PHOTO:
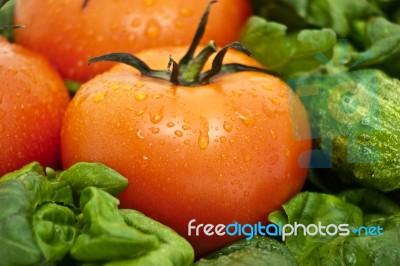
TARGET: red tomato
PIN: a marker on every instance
(69, 35)
(33, 99)
(218, 153)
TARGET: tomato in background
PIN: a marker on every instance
(221, 152)
(33, 99)
(69, 35)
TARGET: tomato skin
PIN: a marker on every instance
(33, 99)
(69, 36)
(217, 153)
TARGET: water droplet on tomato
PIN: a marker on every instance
(153, 29)
(273, 135)
(170, 124)
(99, 97)
(2, 128)
(156, 117)
(140, 96)
(246, 117)
(186, 142)
(222, 139)
(154, 130)
(139, 84)
(228, 126)
(185, 127)
(178, 133)
(139, 134)
(220, 178)
(246, 157)
(185, 11)
(266, 87)
(275, 101)
(135, 22)
(203, 140)
(141, 111)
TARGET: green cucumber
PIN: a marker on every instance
(355, 118)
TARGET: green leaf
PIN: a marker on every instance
(335, 14)
(17, 245)
(32, 167)
(381, 39)
(314, 208)
(83, 175)
(173, 249)
(371, 202)
(7, 17)
(258, 251)
(361, 247)
(54, 230)
(283, 52)
(106, 231)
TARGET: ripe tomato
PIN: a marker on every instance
(33, 99)
(217, 153)
(69, 35)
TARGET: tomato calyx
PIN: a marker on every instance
(188, 71)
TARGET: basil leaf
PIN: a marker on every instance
(83, 175)
(173, 249)
(54, 230)
(32, 167)
(106, 231)
(283, 52)
(17, 245)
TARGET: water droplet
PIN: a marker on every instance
(273, 135)
(170, 124)
(154, 130)
(246, 157)
(247, 139)
(222, 139)
(242, 170)
(140, 96)
(246, 193)
(178, 133)
(203, 140)
(235, 181)
(136, 22)
(179, 23)
(127, 88)
(139, 134)
(99, 96)
(156, 117)
(186, 142)
(115, 87)
(185, 11)
(223, 157)
(153, 29)
(2, 128)
(185, 127)
(162, 142)
(246, 117)
(266, 87)
(275, 101)
(140, 111)
(228, 126)
(220, 178)
(365, 121)
(139, 84)
(157, 96)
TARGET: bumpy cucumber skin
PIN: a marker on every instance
(360, 112)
